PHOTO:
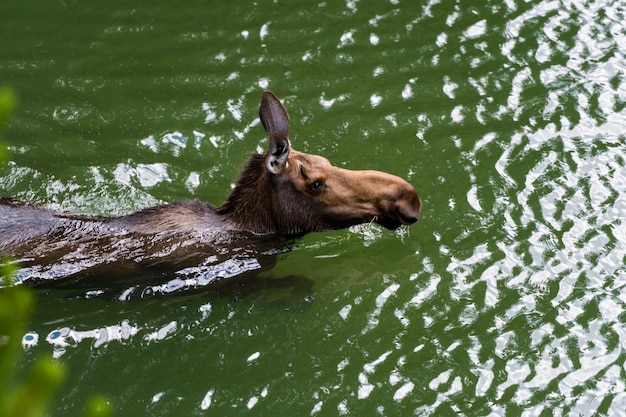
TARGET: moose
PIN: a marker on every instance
(280, 195)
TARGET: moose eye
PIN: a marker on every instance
(316, 185)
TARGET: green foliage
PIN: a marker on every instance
(28, 397)
(98, 406)
(7, 105)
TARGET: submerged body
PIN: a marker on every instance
(182, 239)
(281, 194)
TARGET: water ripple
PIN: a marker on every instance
(507, 299)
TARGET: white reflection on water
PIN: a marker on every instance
(522, 309)
(148, 175)
(65, 337)
(163, 333)
(206, 401)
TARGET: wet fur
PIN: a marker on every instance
(282, 194)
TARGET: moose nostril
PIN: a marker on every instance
(407, 210)
(408, 217)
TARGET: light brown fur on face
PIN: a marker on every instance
(354, 196)
(283, 193)
(292, 193)
(289, 192)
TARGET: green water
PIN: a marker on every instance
(507, 298)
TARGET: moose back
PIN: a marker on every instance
(280, 195)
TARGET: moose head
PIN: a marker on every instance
(291, 193)
(283, 192)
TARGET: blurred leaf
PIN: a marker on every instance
(98, 406)
(30, 397)
(8, 102)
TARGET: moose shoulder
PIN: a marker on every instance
(281, 194)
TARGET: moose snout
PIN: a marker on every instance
(402, 206)
(407, 215)
(407, 209)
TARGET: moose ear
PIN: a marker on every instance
(276, 123)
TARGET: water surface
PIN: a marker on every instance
(507, 298)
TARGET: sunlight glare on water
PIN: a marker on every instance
(506, 298)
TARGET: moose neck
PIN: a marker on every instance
(250, 206)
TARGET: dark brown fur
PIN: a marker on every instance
(282, 193)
